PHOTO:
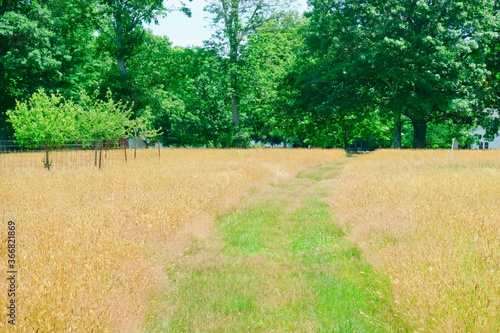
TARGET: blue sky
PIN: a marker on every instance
(184, 31)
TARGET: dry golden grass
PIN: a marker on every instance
(434, 229)
(93, 244)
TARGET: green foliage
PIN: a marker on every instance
(52, 119)
(44, 119)
(266, 59)
(191, 102)
(98, 120)
(352, 71)
(235, 21)
(416, 58)
(122, 23)
(123, 35)
(329, 108)
(142, 127)
(27, 53)
(27, 58)
(440, 135)
(43, 45)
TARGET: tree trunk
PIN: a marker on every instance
(419, 133)
(233, 62)
(232, 26)
(120, 52)
(123, 87)
(234, 106)
(397, 129)
(3, 8)
(121, 66)
(346, 148)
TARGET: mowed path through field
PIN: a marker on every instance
(277, 262)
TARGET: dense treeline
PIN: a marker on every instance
(405, 73)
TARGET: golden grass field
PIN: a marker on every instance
(93, 245)
(434, 229)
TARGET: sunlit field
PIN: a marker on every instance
(93, 244)
(434, 228)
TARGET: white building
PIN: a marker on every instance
(495, 144)
(483, 144)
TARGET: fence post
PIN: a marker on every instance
(95, 154)
(47, 161)
(100, 154)
(158, 148)
(124, 141)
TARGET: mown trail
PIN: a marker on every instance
(277, 262)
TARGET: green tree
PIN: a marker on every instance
(28, 57)
(99, 120)
(440, 135)
(266, 59)
(52, 119)
(44, 44)
(235, 21)
(122, 24)
(73, 22)
(185, 92)
(328, 103)
(143, 127)
(7, 5)
(44, 119)
(491, 57)
(321, 114)
(416, 55)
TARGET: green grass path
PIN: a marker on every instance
(278, 263)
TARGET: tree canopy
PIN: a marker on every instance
(412, 58)
(410, 73)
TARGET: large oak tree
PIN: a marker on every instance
(419, 56)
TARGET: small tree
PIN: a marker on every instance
(43, 119)
(98, 120)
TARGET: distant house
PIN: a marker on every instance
(483, 144)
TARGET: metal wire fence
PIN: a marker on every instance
(69, 154)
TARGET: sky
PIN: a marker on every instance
(184, 31)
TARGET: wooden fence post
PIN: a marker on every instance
(158, 148)
(100, 155)
(47, 161)
(95, 154)
(125, 148)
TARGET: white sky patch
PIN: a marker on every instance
(184, 31)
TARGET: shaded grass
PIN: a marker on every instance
(278, 263)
